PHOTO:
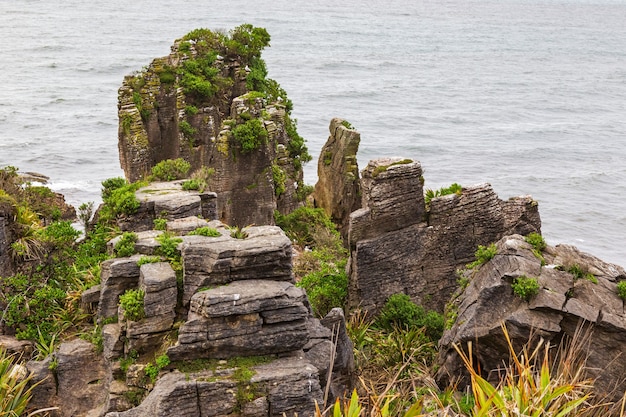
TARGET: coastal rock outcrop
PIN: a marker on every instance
(338, 189)
(210, 103)
(400, 244)
(574, 289)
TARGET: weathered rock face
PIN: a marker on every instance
(562, 304)
(77, 388)
(398, 246)
(289, 386)
(238, 301)
(245, 318)
(337, 190)
(167, 200)
(209, 103)
(264, 254)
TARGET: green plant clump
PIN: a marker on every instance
(148, 260)
(16, 389)
(250, 135)
(483, 254)
(326, 287)
(160, 224)
(206, 231)
(279, 177)
(126, 245)
(132, 304)
(525, 287)
(621, 290)
(452, 189)
(578, 273)
(382, 168)
(237, 232)
(193, 185)
(302, 224)
(400, 311)
(171, 169)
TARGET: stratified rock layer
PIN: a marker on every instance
(337, 190)
(563, 303)
(400, 246)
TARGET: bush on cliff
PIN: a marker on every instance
(399, 311)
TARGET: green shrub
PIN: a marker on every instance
(193, 185)
(126, 245)
(188, 130)
(483, 254)
(148, 260)
(400, 311)
(347, 125)
(160, 224)
(152, 370)
(621, 290)
(537, 241)
(279, 177)
(191, 110)
(171, 169)
(302, 224)
(525, 287)
(326, 288)
(452, 189)
(119, 198)
(168, 245)
(250, 135)
(206, 231)
(132, 304)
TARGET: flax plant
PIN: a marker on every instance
(530, 387)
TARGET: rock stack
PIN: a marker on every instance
(239, 336)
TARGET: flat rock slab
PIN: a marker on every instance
(244, 318)
(211, 261)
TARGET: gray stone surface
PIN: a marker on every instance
(338, 189)
(285, 386)
(562, 304)
(208, 262)
(116, 276)
(80, 376)
(398, 246)
(243, 318)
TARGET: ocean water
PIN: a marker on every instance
(527, 95)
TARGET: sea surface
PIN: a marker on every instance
(527, 95)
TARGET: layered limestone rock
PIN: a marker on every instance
(238, 301)
(245, 318)
(210, 103)
(264, 254)
(398, 245)
(337, 190)
(585, 296)
(77, 387)
(275, 390)
(168, 200)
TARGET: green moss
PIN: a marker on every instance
(382, 168)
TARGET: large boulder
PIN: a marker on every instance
(585, 296)
(210, 103)
(399, 245)
(337, 190)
